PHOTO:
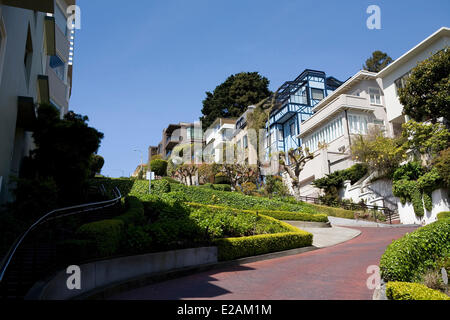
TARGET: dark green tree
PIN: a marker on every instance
(97, 163)
(426, 95)
(377, 62)
(159, 167)
(64, 150)
(231, 98)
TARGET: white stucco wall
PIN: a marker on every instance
(440, 203)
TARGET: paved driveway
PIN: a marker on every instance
(331, 273)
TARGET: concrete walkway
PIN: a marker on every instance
(327, 237)
(336, 272)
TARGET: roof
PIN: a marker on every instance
(442, 32)
(360, 75)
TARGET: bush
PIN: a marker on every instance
(442, 164)
(135, 212)
(412, 291)
(221, 187)
(294, 216)
(159, 167)
(443, 215)
(106, 234)
(160, 186)
(248, 188)
(275, 185)
(221, 178)
(136, 240)
(406, 258)
(235, 248)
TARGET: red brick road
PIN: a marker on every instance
(337, 272)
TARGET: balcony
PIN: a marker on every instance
(50, 39)
(62, 44)
(341, 103)
(58, 89)
(171, 142)
(46, 6)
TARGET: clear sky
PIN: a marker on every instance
(142, 64)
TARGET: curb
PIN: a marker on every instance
(116, 288)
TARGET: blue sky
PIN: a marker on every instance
(142, 64)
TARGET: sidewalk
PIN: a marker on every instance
(327, 237)
(362, 223)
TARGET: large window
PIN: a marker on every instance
(245, 142)
(317, 94)
(58, 66)
(358, 124)
(375, 96)
(401, 82)
(326, 134)
(292, 129)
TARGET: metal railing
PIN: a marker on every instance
(388, 213)
(51, 217)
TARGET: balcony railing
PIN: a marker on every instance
(343, 102)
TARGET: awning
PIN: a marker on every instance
(46, 6)
(43, 90)
(50, 39)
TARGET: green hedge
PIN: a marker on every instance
(235, 248)
(135, 212)
(334, 212)
(412, 255)
(443, 215)
(294, 216)
(160, 186)
(106, 234)
(279, 215)
(412, 291)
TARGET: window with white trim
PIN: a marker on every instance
(358, 124)
(375, 95)
(326, 134)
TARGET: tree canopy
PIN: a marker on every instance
(426, 95)
(377, 62)
(64, 151)
(231, 98)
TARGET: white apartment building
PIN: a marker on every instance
(351, 110)
(216, 137)
(35, 68)
(245, 140)
(367, 99)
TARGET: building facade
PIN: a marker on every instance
(295, 102)
(36, 48)
(245, 140)
(217, 136)
(364, 101)
(353, 109)
(176, 134)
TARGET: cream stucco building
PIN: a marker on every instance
(36, 49)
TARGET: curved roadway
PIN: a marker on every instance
(333, 273)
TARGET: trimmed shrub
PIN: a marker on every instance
(410, 256)
(221, 178)
(159, 167)
(235, 248)
(160, 186)
(106, 234)
(221, 187)
(135, 212)
(278, 215)
(294, 216)
(412, 291)
(443, 215)
(334, 212)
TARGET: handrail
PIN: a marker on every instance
(102, 204)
